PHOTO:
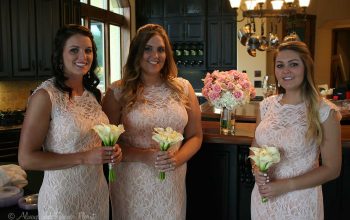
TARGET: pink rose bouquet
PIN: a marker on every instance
(227, 89)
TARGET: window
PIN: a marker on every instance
(105, 19)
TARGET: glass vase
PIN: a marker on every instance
(227, 121)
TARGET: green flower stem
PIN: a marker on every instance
(264, 199)
(163, 147)
(111, 174)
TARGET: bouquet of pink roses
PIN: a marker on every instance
(227, 89)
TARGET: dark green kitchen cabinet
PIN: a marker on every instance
(220, 7)
(5, 38)
(34, 24)
(222, 46)
(211, 183)
(185, 29)
(184, 8)
(149, 11)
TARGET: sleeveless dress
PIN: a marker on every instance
(79, 192)
(284, 126)
(138, 193)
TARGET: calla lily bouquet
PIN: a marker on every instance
(264, 157)
(166, 137)
(109, 135)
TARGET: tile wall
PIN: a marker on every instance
(14, 94)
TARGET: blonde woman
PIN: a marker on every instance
(303, 126)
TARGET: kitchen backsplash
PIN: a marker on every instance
(14, 94)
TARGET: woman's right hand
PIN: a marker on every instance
(260, 177)
(101, 155)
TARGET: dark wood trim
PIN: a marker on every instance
(102, 15)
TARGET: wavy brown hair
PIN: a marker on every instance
(131, 83)
(309, 92)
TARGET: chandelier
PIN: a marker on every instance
(261, 9)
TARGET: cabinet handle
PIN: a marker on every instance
(33, 65)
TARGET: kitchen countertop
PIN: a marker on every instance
(248, 112)
(245, 134)
(10, 127)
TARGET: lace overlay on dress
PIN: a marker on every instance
(138, 193)
(79, 192)
(284, 126)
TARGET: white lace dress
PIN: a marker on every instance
(284, 126)
(79, 192)
(137, 192)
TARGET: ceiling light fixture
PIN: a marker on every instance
(280, 8)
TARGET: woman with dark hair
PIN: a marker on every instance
(150, 95)
(303, 126)
(57, 134)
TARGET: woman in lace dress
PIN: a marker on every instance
(57, 134)
(148, 96)
(302, 125)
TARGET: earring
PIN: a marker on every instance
(89, 75)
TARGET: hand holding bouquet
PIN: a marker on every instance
(166, 137)
(109, 135)
(264, 157)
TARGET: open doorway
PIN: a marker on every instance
(340, 63)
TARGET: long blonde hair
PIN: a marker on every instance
(309, 92)
(132, 85)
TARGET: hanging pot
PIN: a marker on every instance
(244, 33)
(273, 38)
(263, 41)
(252, 45)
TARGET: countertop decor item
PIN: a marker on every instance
(227, 90)
(29, 202)
(9, 195)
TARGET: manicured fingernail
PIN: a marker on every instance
(265, 174)
(267, 181)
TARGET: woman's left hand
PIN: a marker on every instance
(117, 154)
(273, 188)
(166, 161)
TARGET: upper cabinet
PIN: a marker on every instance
(27, 31)
(149, 11)
(221, 53)
(34, 24)
(185, 29)
(5, 38)
(220, 7)
(184, 8)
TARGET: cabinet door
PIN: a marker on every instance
(228, 43)
(211, 183)
(226, 8)
(175, 29)
(5, 40)
(23, 38)
(214, 7)
(47, 23)
(214, 43)
(194, 29)
(194, 7)
(70, 13)
(173, 8)
(156, 8)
